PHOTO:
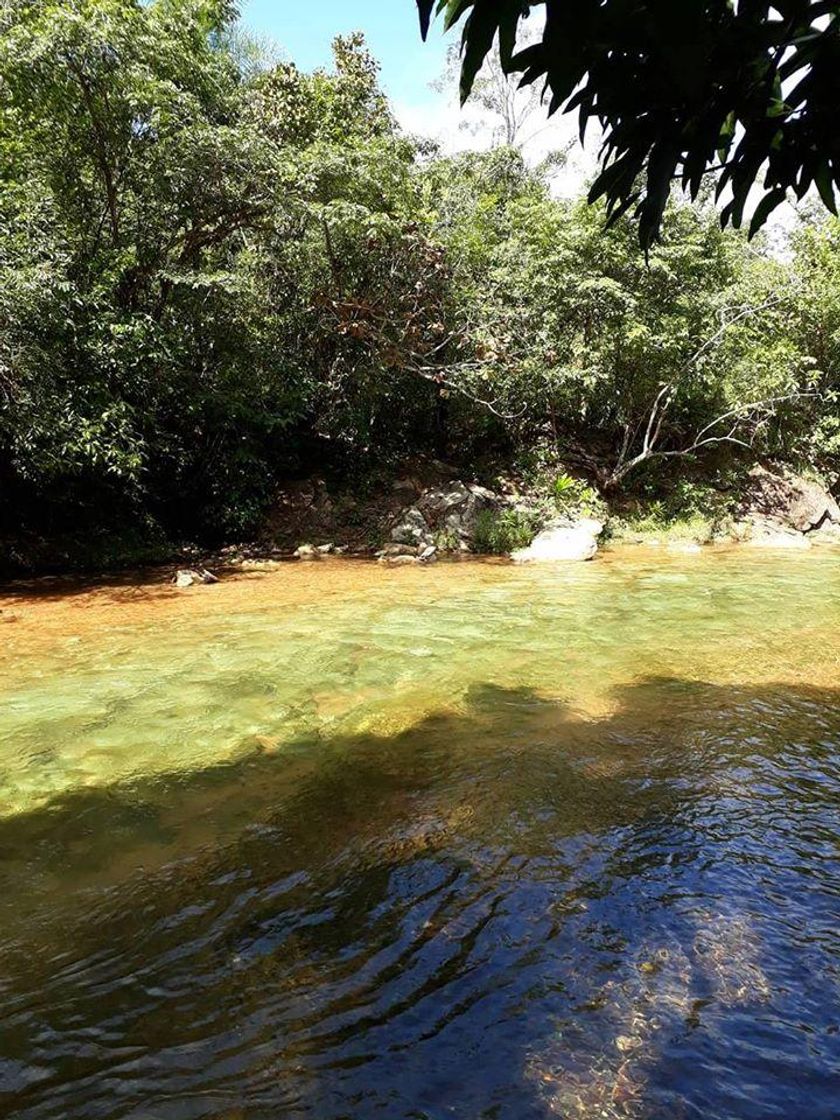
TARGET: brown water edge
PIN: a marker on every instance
(39, 612)
(47, 611)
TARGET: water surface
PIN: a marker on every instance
(467, 841)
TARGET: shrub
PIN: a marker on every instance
(571, 496)
(497, 534)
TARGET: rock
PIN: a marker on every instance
(781, 538)
(302, 494)
(403, 484)
(188, 577)
(397, 550)
(444, 469)
(398, 561)
(455, 508)
(325, 549)
(437, 503)
(412, 528)
(826, 534)
(566, 540)
(791, 502)
(689, 547)
(482, 493)
(307, 552)
(427, 555)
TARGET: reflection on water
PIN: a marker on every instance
(469, 842)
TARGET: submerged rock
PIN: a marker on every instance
(689, 547)
(566, 540)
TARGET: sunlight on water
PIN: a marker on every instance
(135, 695)
(464, 840)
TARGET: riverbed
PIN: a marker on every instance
(466, 840)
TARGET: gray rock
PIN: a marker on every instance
(427, 555)
(189, 577)
(457, 506)
(791, 502)
(404, 484)
(307, 552)
(483, 494)
(826, 534)
(437, 503)
(778, 538)
(398, 550)
(412, 528)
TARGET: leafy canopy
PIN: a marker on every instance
(748, 88)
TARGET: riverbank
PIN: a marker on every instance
(432, 510)
(43, 611)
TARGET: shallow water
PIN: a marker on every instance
(465, 841)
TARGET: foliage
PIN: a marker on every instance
(497, 534)
(514, 114)
(175, 236)
(217, 271)
(692, 511)
(573, 496)
(678, 88)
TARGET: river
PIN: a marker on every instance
(474, 841)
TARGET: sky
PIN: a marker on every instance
(305, 31)
(409, 67)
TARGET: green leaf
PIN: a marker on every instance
(767, 205)
(822, 177)
(424, 11)
(479, 32)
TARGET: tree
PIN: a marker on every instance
(749, 90)
(513, 112)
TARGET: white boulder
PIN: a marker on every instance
(780, 538)
(567, 540)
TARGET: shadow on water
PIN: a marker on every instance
(502, 912)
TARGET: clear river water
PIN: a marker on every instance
(469, 841)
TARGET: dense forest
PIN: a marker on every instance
(218, 272)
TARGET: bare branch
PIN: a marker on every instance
(431, 373)
(702, 439)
